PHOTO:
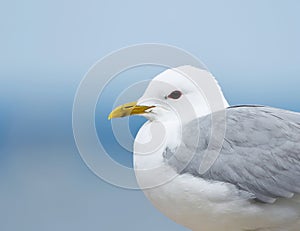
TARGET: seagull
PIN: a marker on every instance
(210, 166)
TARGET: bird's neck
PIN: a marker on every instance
(158, 135)
(202, 106)
(173, 133)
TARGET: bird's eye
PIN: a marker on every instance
(175, 94)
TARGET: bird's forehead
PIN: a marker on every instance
(170, 80)
(187, 79)
(172, 77)
(165, 83)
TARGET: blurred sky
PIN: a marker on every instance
(252, 47)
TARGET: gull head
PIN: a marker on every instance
(181, 93)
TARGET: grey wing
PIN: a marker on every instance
(260, 152)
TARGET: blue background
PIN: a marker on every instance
(252, 47)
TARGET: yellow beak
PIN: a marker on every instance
(128, 109)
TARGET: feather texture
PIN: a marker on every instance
(260, 153)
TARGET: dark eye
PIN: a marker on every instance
(175, 95)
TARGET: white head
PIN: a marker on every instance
(184, 92)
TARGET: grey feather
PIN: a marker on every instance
(260, 153)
